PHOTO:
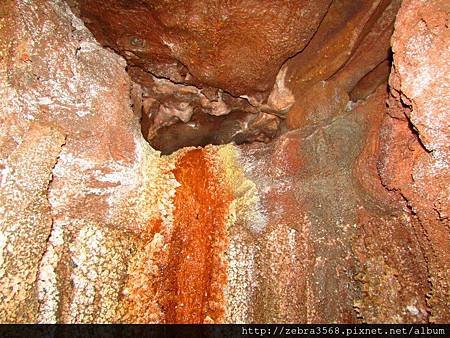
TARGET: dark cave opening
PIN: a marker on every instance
(202, 129)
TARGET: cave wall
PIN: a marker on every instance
(233, 45)
(414, 158)
(264, 61)
(344, 219)
(73, 165)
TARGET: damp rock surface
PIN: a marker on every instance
(238, 46)
(342, 219)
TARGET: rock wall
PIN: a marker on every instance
(73, 168)
(344, 219)
(414, 159)
(232, 45)
(352, 41)
(275, 63)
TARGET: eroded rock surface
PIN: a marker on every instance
(306, 59)
(176, 116)
(233, 45)
(238, 127)
(416, 148)
(344, 219)
(71, 151)
(351, 41)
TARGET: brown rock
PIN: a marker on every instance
(340, 33)
(321, 101)
(415, 150)
(377, 41)
(371, 81)
(202, 129)
(365, 169)
(236, 46)
(195, 275)
(351, 41)
(343, 220)
(393, 271)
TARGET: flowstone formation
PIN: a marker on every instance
(242, 162)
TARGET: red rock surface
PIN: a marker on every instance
(393, 270)
(415, 151)
(327, 47)
(351, 41)
(229, 55)
(342, 220)
(195, 275)
(344, 27)
(233, 45)
(367, 85)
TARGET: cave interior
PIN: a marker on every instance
(250, 161)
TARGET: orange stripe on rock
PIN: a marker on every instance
(195, 276)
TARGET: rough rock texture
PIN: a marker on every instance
(26, 220)
(342, 220)
(232, 45)
(351, 41)
(416, 138)
(304, 57)
(71, 157)
(176, 116)
(339, 226)
(238, 127)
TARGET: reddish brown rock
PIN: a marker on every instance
(351, 41)
(202, 129)
(343, 220)
(236, 46)
(415, 141)
(202, 53)
(367, 85)
(392, 268)
(340, 33)
(221, 49)
(373, 48)
(365, 169)
(323, 100)
(195, 275)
